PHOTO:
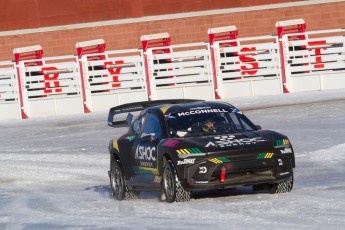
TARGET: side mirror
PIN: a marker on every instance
(258, 127)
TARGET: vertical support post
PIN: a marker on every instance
(220, 34)
(83, 48)
(153, 41)
(34, 53)
(288, 27)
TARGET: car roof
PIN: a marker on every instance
(171, 108)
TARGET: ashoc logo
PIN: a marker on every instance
(145, 153)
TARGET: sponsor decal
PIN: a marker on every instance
(200, 182)
(265, 155)
(171, 143)
(200, 107)
(189, 151)
(286, 150)
(280, 162)
(146, 164)
(186, 161)
(145, 153)
(202, 170)
(236, 111)
(192, 112)
(229, 140)
(282, 142)
(219, 160)
(130, 138)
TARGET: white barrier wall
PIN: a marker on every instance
(315, 63)
(52, 88)
(118, 78)
(9, 92)
(185, 72)
(239, 67)
(251, 67)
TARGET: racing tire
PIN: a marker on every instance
(284, 186)
(117, 182)
(172, 186)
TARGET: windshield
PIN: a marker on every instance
(207, 122)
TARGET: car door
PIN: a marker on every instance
(146, 149)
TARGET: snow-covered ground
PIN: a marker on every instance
(53, 174)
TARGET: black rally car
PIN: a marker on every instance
(176, 146)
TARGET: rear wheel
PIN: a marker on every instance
(117, 182)
(172, 186)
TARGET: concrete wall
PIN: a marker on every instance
(123, 34)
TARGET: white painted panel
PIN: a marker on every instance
(9, 110)
(104, 101)
(55, 106)
(237, 89)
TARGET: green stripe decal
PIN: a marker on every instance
(224, 160)
(192, 150)
(196, 150)
(261, 155)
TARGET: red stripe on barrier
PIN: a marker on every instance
(115, 85)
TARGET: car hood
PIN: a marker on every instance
(213, 143)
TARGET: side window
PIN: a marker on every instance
(153, 126)
(138, 124)
(236, 121)
(240, 124)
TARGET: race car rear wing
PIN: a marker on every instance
(139, 106)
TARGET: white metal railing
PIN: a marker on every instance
(316, 62)
(113, 77)
(184, 72)
(251, 67)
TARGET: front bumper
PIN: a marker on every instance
(223, 173)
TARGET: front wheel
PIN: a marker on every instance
(172, 186)
(283, 186)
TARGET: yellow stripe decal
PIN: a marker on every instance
(153, 170)
(164, 109)
(186, 150)
(116, 145)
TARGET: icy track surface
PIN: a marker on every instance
(53, 174)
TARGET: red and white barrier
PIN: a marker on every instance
(247, 67)
(225, 67)
(96, 47)
(315, 62)
(294, 26)
(9, 92)
(48, 86)
(178, 71)
(117, 79)
(220, 34)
